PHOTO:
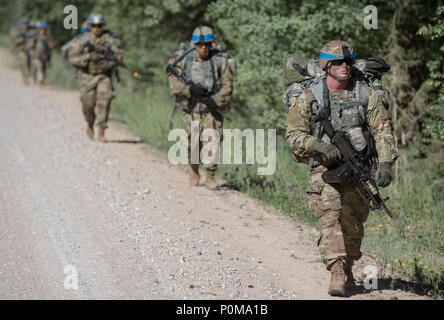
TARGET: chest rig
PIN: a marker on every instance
(348, 113)
(205, 73)
(104, 42)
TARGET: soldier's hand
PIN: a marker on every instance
(105, 64)
(197, 90)
(94, 56)
(327, 150)
(210, 103)
(384, 174)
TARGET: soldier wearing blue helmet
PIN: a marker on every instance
(210, 73)
(20, 34)
(40, 52)
(95, 72)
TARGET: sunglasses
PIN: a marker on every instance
(96, 26)
(203, 44)
(338, 63)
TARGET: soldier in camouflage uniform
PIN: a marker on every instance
(20, 35)
(212, 76)
(40, 52)
(95, 72)
(339, 208)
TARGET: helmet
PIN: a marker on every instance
(41, 24)
(336, 50)
(96, 18)
(85, 27)
(23, 20)
(202, 34)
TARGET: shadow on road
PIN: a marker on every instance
(126, 141)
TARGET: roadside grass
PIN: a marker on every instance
(411, 244)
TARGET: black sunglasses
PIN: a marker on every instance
(337, 63)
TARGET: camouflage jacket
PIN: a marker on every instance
(223, 77)
(300, 137)
(77, 52)
(41, 46)
(22, 40)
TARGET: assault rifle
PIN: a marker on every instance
(209, 102)
(109, 55)
(352, 166)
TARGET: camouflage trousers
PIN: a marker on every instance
(207, 120)
(24, 63)
(341, 213)
(96, 93)
(38, 70)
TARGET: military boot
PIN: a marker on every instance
(90, 132)
(210, 182)
(194, 174)
(350, 284)
(101, 135)
(337, 282)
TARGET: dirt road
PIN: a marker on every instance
(126, 221)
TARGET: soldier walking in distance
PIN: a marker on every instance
(209, 73)
(21, 35)
(40, 52)
(359, 110)
(95, 72)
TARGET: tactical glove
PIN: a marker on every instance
(210, 103)
(327, 150)
(197, 90)
(384, 175)
(94, 56)
(105, 64)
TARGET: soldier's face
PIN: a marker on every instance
(96, 29)
(203, 49)
(24, 26)
(42, 31)
(340, 69)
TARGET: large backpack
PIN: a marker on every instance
(301, 74)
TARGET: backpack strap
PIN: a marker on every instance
(321, 96)
(363, 94)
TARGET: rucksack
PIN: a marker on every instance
(301, 74)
